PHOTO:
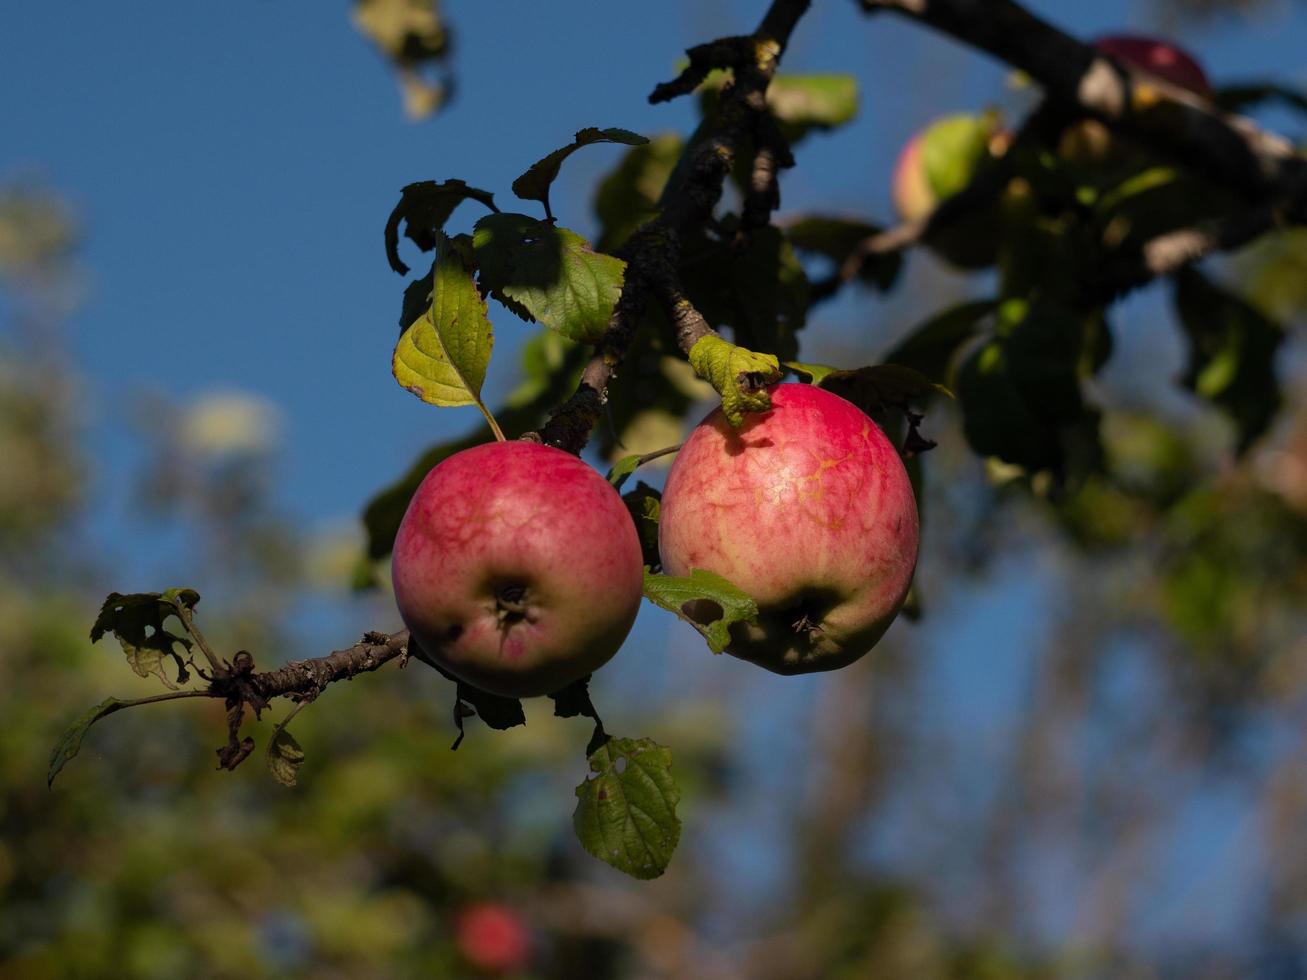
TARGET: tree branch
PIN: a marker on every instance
(653, 252)
(304, 680)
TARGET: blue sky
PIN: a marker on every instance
(233, 166)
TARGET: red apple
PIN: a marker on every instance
(808, 509)
(1159, 58)
(517, 568)
(493, 938)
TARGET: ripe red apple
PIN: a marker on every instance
(517, 568)
(1160, 58)
(934, 165)
(808, 509)
(493, 938)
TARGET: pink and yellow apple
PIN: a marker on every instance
(809, 510)
(937, 163)
(517, 568)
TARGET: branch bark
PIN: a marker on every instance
(304, 680)
(654, 250)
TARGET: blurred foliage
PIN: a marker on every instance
(414, 36)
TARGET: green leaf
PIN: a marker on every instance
(534, 184)
(137, 621)
(424, 207)
(645, 506)
(882, 386)
(547, 273)
(1020, 392)
(813, 372)
(442, 357)
(628, 196)
(626, 808)
(1232, 350)
(70, 742)
(804, 102)
(699, 588)
(931, 347)
(837, 239)
(740, 376)
(284, 757)
(622, 469)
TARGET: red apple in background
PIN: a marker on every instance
(493, 938)
(517, 568)
(808, 509)
(1160, 58)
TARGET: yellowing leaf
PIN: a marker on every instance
(740, 376)
(442, 356)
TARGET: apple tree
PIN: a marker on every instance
(787, 533)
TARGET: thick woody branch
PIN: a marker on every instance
(653, 252)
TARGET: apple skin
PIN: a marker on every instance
(971, 241)
(493, 938)
(517, 568)
(1160, 58)
(808, 509)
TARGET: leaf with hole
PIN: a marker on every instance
(626, 808)
(702, 591)
(423, 208)
(543, 272)
(137, 621)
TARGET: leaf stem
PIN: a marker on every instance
(494, 426)
(216, 665)
(169, 696)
